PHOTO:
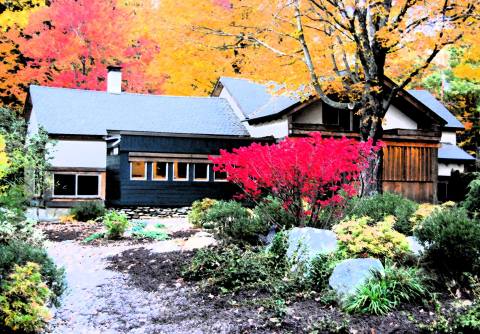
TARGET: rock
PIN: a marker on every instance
(415, 246)
(306, 242)
(196, 242)
(350, 274)
(203, 234)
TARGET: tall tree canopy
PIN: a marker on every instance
(340, 50)
(70, 44)
(14, 16)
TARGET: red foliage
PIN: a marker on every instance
(70, 44)
(306, 174)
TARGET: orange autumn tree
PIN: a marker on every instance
(337, 50)
(70, 44)
(14, 16)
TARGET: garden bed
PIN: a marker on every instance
(153, 272)
(78, 231)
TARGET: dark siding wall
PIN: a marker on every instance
(126, 192)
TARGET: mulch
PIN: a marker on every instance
(69, 231)
(152, 271)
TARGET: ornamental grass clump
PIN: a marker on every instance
(362, 237)
(385, 292)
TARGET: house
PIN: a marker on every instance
(150, 150)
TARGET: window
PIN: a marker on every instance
(138, 170)
(76, 185)
(331, 116)
(180, 171)
(64, 184)
(220, 176)
(200, 172)
(87, 185)
(160, 171)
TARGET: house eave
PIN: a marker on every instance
(180, 135)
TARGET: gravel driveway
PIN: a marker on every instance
(101, 301)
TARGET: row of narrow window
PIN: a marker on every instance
(181, 171)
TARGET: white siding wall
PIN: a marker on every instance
(32, 128)
(446, 169)
(449, 137)
(79, 153)
(395, 119)
(277, 128)
(310, 115)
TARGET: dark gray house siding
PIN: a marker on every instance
(122, 191)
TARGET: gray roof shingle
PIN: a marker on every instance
(254, 99)
(453, 152)
(436, 106)
(87, 112)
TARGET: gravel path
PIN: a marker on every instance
(101, 301)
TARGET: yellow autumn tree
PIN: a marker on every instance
(14, 16)
(3, 158)
(336, 50)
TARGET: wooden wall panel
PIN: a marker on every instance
(410, 169)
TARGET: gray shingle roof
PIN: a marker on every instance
(436, 106)
(87, 112)
(453, 152)
(254, 99)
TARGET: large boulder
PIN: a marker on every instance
(304, 243)
(351, 274)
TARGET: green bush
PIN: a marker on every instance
(13, 227)
(383, 293)
(359, 238)
(19, 253)
(231, 268)
(197, 215)
(94, 236)
(271, 212)
(321, 269)
(116, 224)
(472, 200)
(465, 320)
(235, 223)
(89, 210)
(154, 235)
(23, 299)
(379, 206)
(452, 242)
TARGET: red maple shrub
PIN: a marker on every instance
(306, 174)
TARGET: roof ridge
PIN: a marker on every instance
(128, 93)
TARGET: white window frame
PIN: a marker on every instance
(153, 171)
(195, 172)
(219, 180)
(138, 178)
(99, 178)
(188, 172)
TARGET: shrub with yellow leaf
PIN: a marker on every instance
(67, 219)
(425, 210)
(23, 300)
(361, 237)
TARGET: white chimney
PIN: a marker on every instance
(114, 79)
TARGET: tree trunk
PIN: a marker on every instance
(371, 129)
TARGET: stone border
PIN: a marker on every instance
(146, 212)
